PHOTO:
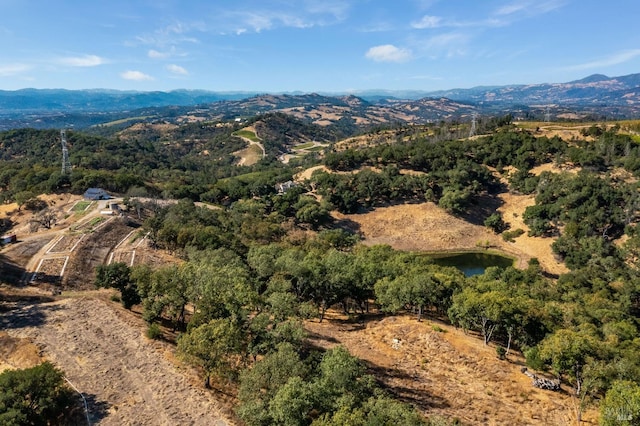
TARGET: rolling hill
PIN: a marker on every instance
(596, 97)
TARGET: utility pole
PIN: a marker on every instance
(474, 121)
(66, 164)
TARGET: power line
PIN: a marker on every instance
(84, 400)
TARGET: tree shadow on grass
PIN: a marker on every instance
(98, 410)
(413, 395)
(482, 208)
(26, 311)
(10, 272)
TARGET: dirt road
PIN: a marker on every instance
(244, 154)
(126, 378)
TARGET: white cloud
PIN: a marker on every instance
(13, 69)
(83, 61)
(167, 37)
(615, 59)
(265, 21)
(176, 69)
(136, 76)
(388, 53)
(529, 7)
(426, 77)
(259, 22)
(154, 54)
(448, 40)
(287, 14)
(376, 27)
(514, 7)
(427, 21)
(338, 9)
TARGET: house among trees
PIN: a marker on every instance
(284, 187)
(96, 194)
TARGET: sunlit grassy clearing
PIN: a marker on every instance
(247, 134)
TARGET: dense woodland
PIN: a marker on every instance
(259, 265)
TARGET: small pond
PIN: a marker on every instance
(472, 263)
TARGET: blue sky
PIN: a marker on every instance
(315, 45)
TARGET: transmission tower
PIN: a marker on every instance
(474, 121)
(547, 115)
(66, 164)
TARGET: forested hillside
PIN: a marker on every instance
(260, 264)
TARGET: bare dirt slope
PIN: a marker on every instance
(446, 372)
(126, 378)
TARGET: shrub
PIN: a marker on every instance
(154, 332)
(510, 236)
(37, 396)
(495, 222)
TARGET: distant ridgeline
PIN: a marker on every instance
(596, 97)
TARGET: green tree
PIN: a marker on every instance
(377, 410)
(568, 352)
(164, 294)
(259, 385)
(36, 396)
(292, 404)
(455, 200)
(220, 286)
(621, 405)
(312, 212)
(117, 275)
(21, 198)
(482, 311)
(218, 346)
(495, 222)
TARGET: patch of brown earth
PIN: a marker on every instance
(126, 378)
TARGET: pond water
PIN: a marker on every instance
(472, 263)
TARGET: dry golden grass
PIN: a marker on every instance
(426, 227)
(249, 156)
(17, 352)
(446, 372)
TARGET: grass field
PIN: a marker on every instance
(247, 134)
(81, 206)
(125, 120)
(304, 145)
(95, 221)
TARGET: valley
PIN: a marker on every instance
(225, 257)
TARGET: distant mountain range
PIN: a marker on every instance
(102, 100)
(596, 96)
(596, 89)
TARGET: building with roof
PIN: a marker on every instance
(96, 194)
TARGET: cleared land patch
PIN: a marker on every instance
(126, 378)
